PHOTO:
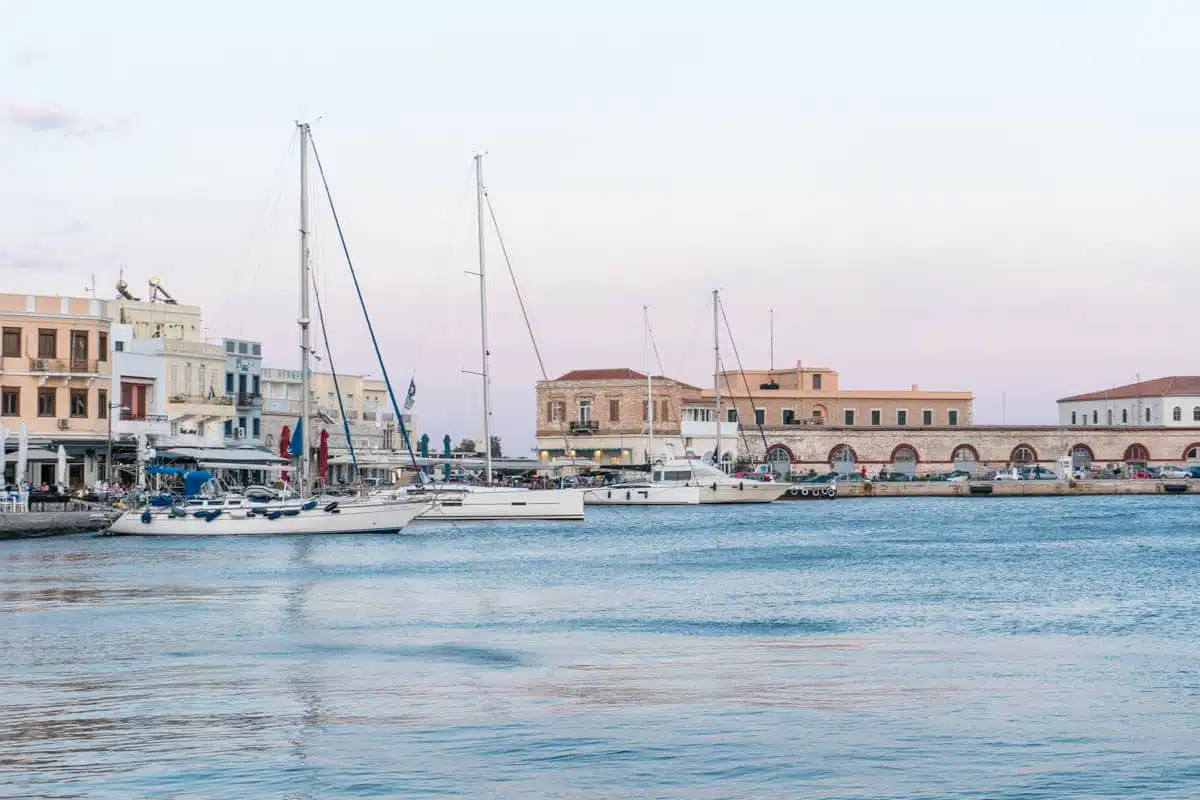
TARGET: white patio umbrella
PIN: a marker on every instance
(22, 454)
(3, 452)
(60, 471)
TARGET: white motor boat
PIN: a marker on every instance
(714, 485)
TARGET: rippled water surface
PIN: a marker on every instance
(1022, 648)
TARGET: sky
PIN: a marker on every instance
(994, 197)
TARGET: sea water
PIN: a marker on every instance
(950, 648)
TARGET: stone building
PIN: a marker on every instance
(1172, 402)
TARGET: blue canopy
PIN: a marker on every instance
(157, 470)
(192, 481)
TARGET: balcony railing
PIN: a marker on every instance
(201, 399)
(129, 416)
(84, 365)
(249, 400)
(584, 426)
(47, 365)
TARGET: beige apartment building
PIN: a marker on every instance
(55, 377)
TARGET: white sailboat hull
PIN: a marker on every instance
(383, 517)
(742, 492)
(650, 495)
(484, 503)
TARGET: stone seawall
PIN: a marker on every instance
(1012, 488)
(51, 523)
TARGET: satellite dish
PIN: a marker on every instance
(155, 281)
(123, 290)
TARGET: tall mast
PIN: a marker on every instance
(772, 315)
(717, 374)
(303, 321)
(649, 389)
(483, 321)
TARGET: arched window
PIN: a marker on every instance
(1023, 454)
(1081, 457)
(1110, 416)
(779, 457)
(1192, 453)
(1177, 414)
(1136, 454)
(819, 411)
(904, 459)
(1147, 415)
(843, 457)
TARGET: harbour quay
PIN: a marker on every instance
(1042, 488)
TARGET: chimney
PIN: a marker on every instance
(914, 387)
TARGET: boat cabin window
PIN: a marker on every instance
(677, 475)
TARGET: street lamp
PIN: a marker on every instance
(108, 470)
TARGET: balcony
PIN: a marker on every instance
(200, 399)
(87, 365)
(248, 400)
(584, 426)
(155, 425)
(708, 429)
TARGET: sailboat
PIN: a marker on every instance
(644, 492)
(210, 511)
(466, 502)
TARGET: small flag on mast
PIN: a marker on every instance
(411, 397)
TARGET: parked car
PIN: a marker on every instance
(1140, 472)
(1194, 471)
(1174, 472)
(893, 477)
(1007, 475)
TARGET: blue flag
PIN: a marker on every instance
(411, 397)
(297, 435)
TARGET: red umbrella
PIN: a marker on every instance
(323, 454)
(285, 441)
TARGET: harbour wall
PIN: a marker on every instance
(1012, 488)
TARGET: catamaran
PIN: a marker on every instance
(208, 510)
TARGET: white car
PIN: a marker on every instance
(1008, 475)
(1174, 472)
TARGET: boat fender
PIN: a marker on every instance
(626, 494)
(201, 514)
(273, 514)
(610, 494)
(741, 486)
(714, 486)
(332, 507)
(216, 512)
(310, 505)
(146, 516)
(178, 512)
(291, 512)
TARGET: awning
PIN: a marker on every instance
(241, 465)
(243, 458)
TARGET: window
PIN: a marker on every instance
(848, 416)
(1024, 454)
(228, 429)
(731, 415)
(1137, 453)
(47, 343)
(118, 347)
(1124, 416)
(12, 342)
(79, 347)
(787, 415)
(79, 403)
(1072, 417)
(585, 410)
(556, 410)
(257, 424)
(228, 383)
(1177, 414)
(816, 383)
(1196, 414)
(664, 408)
(760, 416)
(101, 403)
(102, 346)
(1147, 415)
(645, 411)
(256, 349)
(10, 401)
(927, 416)
(876, 416)
(902, 417)
(614, 410)
(242, 423)
(255, 383)
(952, 417)
(1109, 417)
(230, 347)
(46, 402)
(242, 385)
(243, 348)
(1095, 416)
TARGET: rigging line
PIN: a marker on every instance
(745, 380)
(729, 390)
(333, 371)
(562, 423)
(363, 304)
(654, 346)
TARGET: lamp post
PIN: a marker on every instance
(108, 470)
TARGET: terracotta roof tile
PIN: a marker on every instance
(622, 374)
(1175, 386)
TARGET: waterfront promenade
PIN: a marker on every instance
(1015, 488)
